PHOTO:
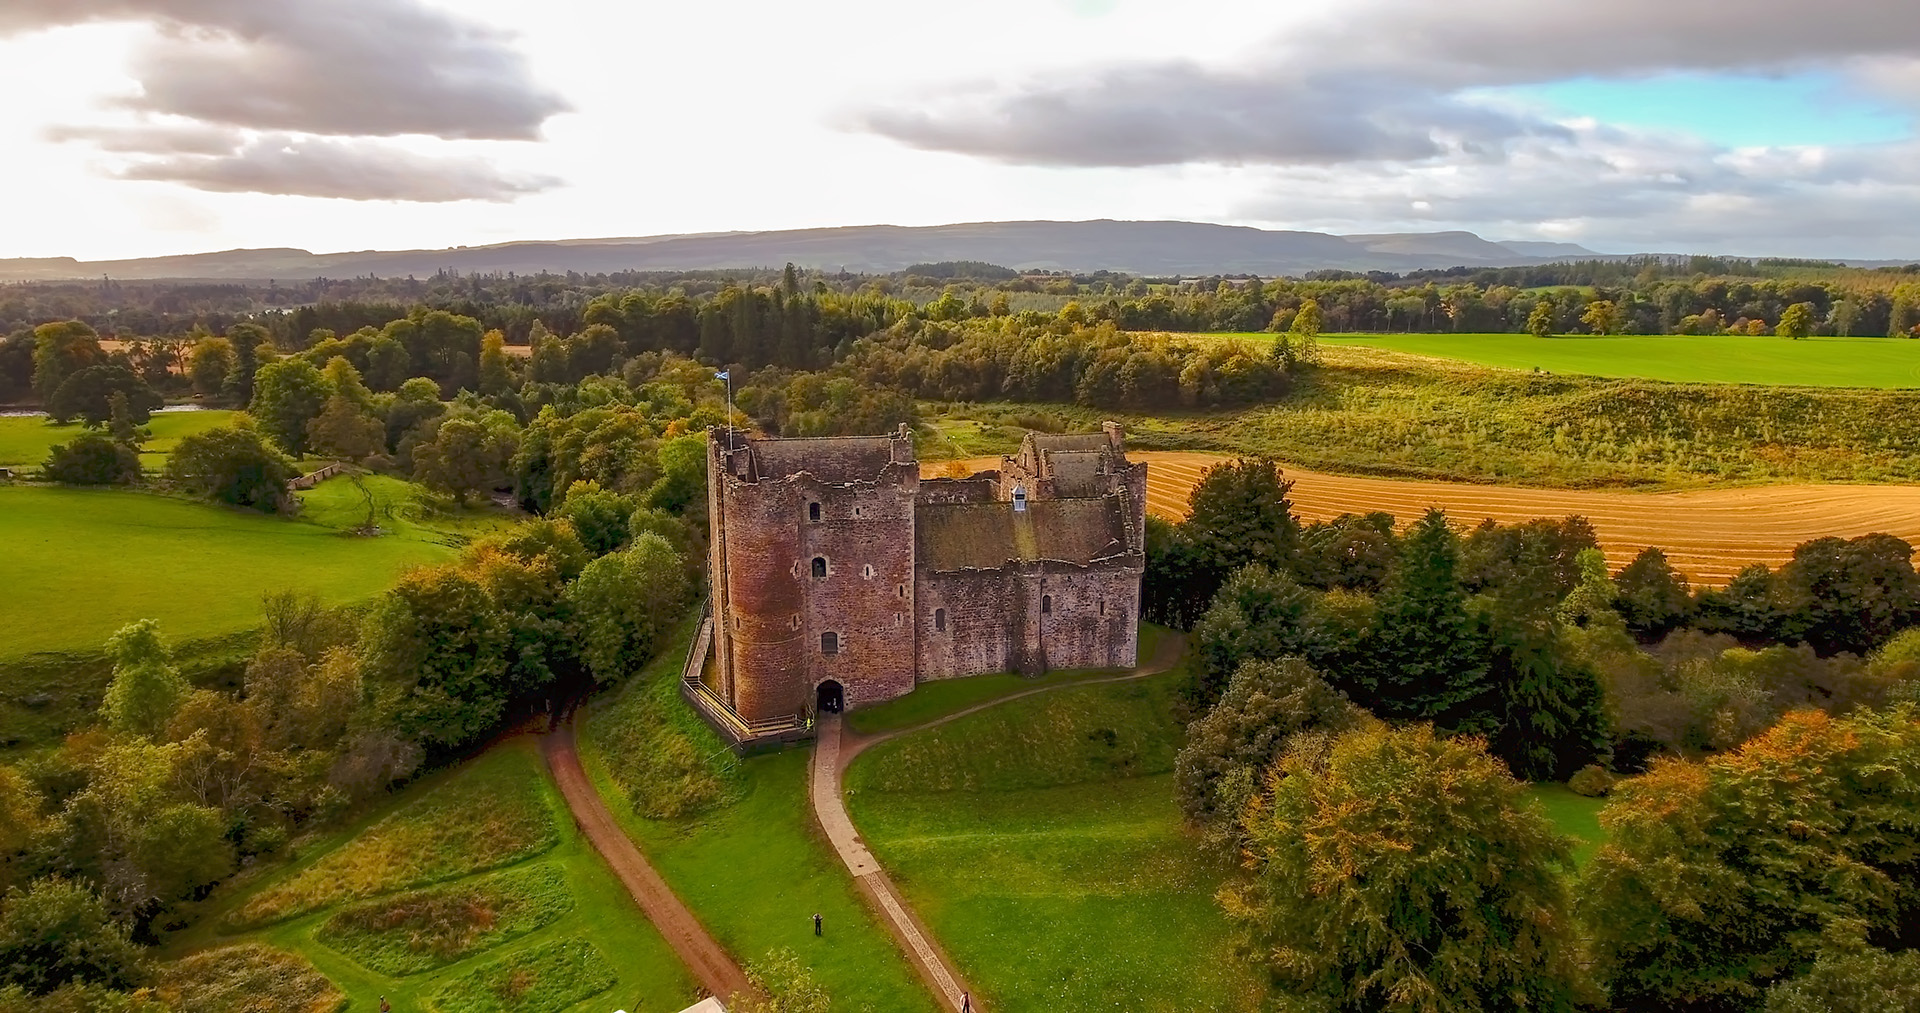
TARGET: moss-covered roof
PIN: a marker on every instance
(958, 536)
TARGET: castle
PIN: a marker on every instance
(841, 578)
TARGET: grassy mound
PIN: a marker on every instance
(245, 979)
(424, 929)
(1041, 842)
(540, 979)
(665, 760)
(495, 814)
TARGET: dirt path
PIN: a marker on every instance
(710, 965)
(831, 755)
(1708, 534)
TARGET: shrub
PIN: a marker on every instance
(232, 465)
(1265, 704)
(92, 459)
(1592, 780)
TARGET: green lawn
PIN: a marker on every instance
(83, 562)
(1041, 842)
(24, 441)
(1576, 815)
(1814, 362)
(933, 700)
(555, 964)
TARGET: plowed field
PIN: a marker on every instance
(1708, 534)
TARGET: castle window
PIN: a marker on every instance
(867, 571)
(1103, 606)
(856, 511)
(813, 511)
(939, 620)
(819, 568)
(903, 590)
(829, 643)
(1046, 603)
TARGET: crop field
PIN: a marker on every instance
(81, 563)
(1041, 843)
(469, 892)
(1708, 534)
(25, 440)
(1886, 363)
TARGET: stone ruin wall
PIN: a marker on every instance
(996, 620)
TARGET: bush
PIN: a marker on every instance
(1592, 780)
(56, 933)
(92, 459)
(233, 464)
(1265, 704)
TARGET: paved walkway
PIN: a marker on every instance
(831, 755)
(711, 966)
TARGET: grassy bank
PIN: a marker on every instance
(1370, 411)
(1041, 842)
(742, 850)
(469, 891)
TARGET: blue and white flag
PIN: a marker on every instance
(723, 375)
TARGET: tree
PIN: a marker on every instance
(146, 687)
(122, 424)
(61, 350)
(436, 647)
(1547, 714)
(92, 459)
(1855, 979)
(1654, 599)
(1427, 659)
(624, 603)
(247, 341)
(496, 366)
(232, 464)
(463, 459)
(346, 431)
(342, 380)
(1395, 870)
(1306, 328)
(56, 933)
(88, 395)
(1239, 514)
(209, 364)
(1246, 732)
(1540, 322)
(1796, 321)
(682, 486)
(1722, 877)
(599, 516)
(1257, 615)
(1602, 316)
(1848, 594)
(287, 395)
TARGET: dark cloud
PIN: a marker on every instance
(353, 170)
(339, 67)
(1384, 81)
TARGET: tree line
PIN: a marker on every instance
(1371, 703)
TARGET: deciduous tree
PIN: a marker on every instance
(1229, 750)
(624, 602)
(287, 395)
(146, 687)
(232, 464)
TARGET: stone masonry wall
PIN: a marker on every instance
(1028, 617)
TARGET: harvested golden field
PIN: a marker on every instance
(1709, 534)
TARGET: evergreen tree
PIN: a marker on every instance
(1653, 595)
(1239, 515)
(1427, 658)
(1548, 719)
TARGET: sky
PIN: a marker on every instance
(140, 128)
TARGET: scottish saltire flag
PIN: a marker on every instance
(723, 375)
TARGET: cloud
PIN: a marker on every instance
(147, 138)
(337, 67)
(347, 169)
(1383, 81)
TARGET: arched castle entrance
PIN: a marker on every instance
(829, 698)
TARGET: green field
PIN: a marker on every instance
(24, 441)
(1885, 363)
(1041, 842)
(81, 563)
(553, 931)
(1576, 815)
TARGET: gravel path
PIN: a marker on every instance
(710, 965)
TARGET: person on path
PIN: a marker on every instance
(966, 1002)
(384, 1008)
(816, 923)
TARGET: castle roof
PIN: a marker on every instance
(837, 459)
(984, 536)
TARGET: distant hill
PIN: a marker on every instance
(1147, 248)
